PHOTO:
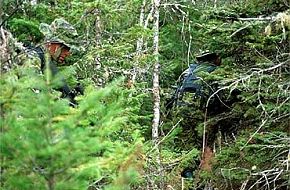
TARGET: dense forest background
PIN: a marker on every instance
(122, 135)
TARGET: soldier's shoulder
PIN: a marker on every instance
(28, 53)
(31, 57)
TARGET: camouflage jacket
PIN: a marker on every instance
(36, 60)
(32, 57)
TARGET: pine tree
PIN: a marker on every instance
(46, 144)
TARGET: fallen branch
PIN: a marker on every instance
(239, 30)
(269, 18)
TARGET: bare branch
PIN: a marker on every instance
(270, 18)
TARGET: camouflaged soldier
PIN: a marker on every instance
(59, 38)
(191, 83)
(58, 45)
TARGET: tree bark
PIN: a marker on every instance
(50, 182)
(98, 27)
(215, 4)
(156, 90)
(156, 71)
(1, 12)
(142, 24)
(33, 2)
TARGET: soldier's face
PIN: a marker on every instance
(64, 53)
(54, 49)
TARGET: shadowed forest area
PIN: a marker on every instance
(139, 94)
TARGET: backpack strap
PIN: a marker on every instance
(192, 67)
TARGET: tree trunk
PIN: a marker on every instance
(142, 24)
(1, 12)
(156, 92)
(156, 71)
(33, 2)
(215, 4)
(98, 28)
(50, 182)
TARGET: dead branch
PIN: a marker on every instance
(163, 139)
(236, 32)
(270, 18)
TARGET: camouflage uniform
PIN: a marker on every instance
(29, 58)
(59, 31)
(36, 59)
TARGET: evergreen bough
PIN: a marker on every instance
(45, 144)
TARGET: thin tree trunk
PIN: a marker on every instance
(98, 27)
(141, 23)
(50, 182)
(156, 92)
(215, 4)
(33, 2)
(98, 39)
(156, 71)
(1, 12)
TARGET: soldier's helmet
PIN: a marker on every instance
(60, 31)
(210, 57)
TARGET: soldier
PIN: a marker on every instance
(190, 81)
(59, 39)
(58, 45)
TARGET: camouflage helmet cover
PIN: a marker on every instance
(59, 31)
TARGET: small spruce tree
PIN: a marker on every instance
(46, 144)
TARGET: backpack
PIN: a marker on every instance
(190, 82)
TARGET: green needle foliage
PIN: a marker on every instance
(26, 31)
(45, 144)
